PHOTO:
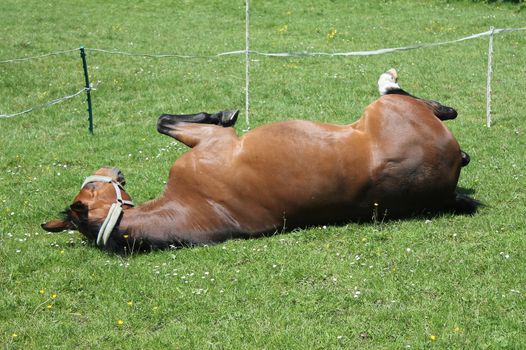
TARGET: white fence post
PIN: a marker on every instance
(247, 65)
(488, 83)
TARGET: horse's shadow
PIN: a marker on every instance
(464, 204)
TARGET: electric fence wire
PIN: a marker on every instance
(21, 59)
(52, 102)
(148, 55)
(248, 52)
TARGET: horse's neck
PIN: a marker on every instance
(164, 222)
(151, 221)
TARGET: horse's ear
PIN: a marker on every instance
(57, 226)
(116, 173)
(120, 178)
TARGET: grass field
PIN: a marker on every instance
(449, 282)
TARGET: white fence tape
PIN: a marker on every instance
(147, 55)
(247, 52)
(386, 50)
(280, 54)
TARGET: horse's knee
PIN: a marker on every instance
(169, 125)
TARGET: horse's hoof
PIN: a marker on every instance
(164, 122)
(229, 118)
(393, 73)
(465, 158)
(387, 82)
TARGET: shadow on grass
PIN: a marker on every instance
(465, 191)
(463, 205)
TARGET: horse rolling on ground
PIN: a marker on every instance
(398, 159)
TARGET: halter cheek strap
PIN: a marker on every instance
(108, 224)
(115, 210)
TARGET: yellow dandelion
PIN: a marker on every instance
(41, 291)
(14, 335)
(62, 251)
(364, 239)
(54, 296)
(433, 337)
(50, 306)
(120, 322)
(130, 303)
(283, 28)
(456, 329)
(332, 34)
(125, 236)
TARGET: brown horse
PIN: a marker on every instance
(398, 159)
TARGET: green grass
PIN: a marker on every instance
(387, 285)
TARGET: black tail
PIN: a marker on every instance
(439, 110)
(465, 205)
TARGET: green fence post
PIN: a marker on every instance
(88, 88)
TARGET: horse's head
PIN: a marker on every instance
(98, 204)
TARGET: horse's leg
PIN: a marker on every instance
(387, 85)
(223, 118)
(191, 134)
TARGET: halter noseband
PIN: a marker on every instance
(115, 210)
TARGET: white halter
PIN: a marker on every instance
(115, 210)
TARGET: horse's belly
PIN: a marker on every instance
(305, 176)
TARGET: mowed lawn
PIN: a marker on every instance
(448, 282)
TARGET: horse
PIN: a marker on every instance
(398, 159)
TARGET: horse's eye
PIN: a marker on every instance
(78, 207)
